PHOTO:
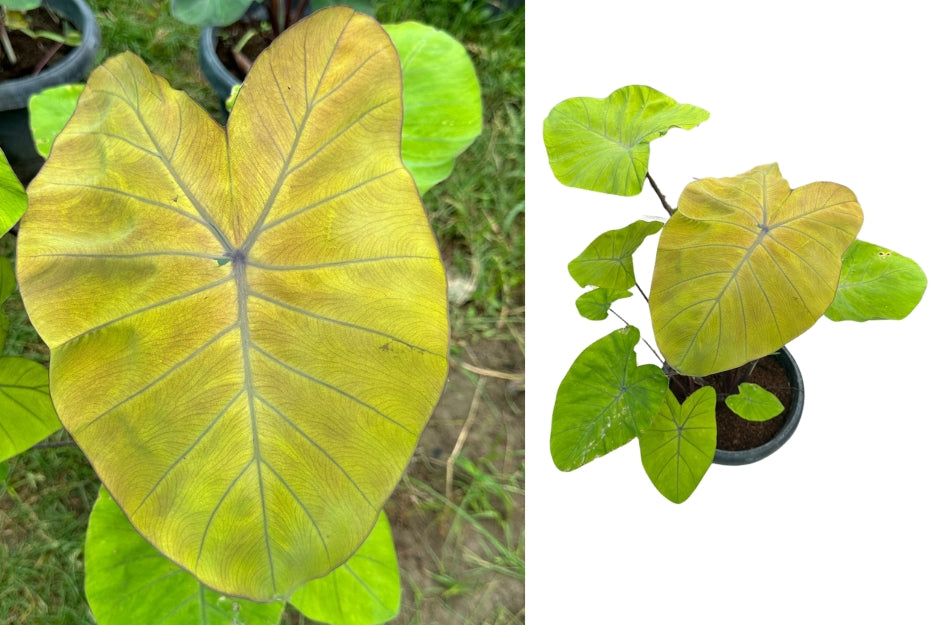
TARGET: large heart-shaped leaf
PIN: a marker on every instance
(128, 581)
(442, 101)
(604, 401)
(679, 445)
(365, 590)
(607, 261)
(876, 283)
(248, 326)
(745, 265)
(602, 144)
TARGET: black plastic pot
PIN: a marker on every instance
(16, 139)
(748, 456)
(218, 76)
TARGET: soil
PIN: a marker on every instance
(733, 432)
(448, 566)
(239, 64)
(34, 55)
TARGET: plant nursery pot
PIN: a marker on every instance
(16, 139)
(783, 429)
(218, 76)
(791, 418)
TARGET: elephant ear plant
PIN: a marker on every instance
(248, 329)
(744, 265)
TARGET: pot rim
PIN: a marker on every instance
(15, 93)
(748, 456)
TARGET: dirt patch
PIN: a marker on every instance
(458, 519)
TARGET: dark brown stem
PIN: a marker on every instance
(660, 195)
(642, 292)
(679, 380)
(298, 12)
(274, 8)
(752, 367)
(243, 62)
(47, 58)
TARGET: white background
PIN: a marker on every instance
(840, 525)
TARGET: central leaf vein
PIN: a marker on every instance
(240, 274)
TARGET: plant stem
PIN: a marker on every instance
(752, 367)
(637, 286)
(274, 7)
(48, 57)
(5, 42)
(629, 325)
(664, 202)
(298, 12)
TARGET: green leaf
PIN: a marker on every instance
(7, 280)
(678, 447)
(366, 590)
(232, 96)
(876, 283)
(7, 286)
(4, 472)
(603, 144)
(48, 111)
(26, 412)
(12, 196)
(250, 417)
(754, 403)
(595, 304)
(745, 265)
(21, 5)
(4, 329)
(362, 6)
(208, 13)
(442, 101)
(128, 581)
(604, 401)
(607, 261)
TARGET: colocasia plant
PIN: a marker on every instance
(247, 324)
(744, 265)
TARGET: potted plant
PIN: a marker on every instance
(744, 265)
(15, 139)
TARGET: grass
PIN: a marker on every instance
(466, 497)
